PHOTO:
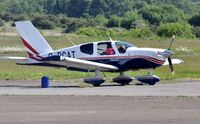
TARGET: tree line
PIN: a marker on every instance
(147, 17)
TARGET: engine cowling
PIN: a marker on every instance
(149, 79)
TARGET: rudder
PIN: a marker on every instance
(32, 39)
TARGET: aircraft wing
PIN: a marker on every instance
(78, 63)
(174, 61)
(64, 61)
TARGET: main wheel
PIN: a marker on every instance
(151, 80)
(152, 83)
(123, 80)
(94, 81)
(124, 83)
(96, 85)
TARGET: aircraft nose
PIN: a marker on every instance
(166, 53)
(169, 53)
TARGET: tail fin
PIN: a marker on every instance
(34, 42)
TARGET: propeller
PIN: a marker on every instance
(172, 40)
(171, 65)
(169, 58)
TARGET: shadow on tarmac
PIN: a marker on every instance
(59, 86)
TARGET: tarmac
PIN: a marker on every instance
(182, 88)
(25, 102)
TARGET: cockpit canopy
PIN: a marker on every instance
(105, 47)
(122, 46)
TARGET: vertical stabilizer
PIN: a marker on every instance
(32, 39)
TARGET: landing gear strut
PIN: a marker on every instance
(95, 81)
(122, 79)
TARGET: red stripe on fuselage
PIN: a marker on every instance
(33, 57)
(39, 56)
(154, 60)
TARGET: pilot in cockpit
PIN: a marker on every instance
(109, 51)
(122, 49)
(105, 48)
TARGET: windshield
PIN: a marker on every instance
(122, 46)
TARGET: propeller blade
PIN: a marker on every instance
(172, 40)
(171, 65)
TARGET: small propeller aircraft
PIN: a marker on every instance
(110, 56)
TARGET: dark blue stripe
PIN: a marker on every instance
(130, 64)
(122, 64)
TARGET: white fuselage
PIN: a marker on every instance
(118, 59)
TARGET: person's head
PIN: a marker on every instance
(123, 47)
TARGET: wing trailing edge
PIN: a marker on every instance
(78, 63)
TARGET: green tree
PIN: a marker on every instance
(98, 7)
(114, 21)
(3, 6)
(195, 20)
(138, 4)
(128, 19)
(178, 29)
(43, 22)
(189, 7)
(78, 23)
(61, 6)
(196, 31)
(25, 6)
(162, 14)
(79, 8)
(1, 22)
(50, 6)
(141, 32)
(100, 20)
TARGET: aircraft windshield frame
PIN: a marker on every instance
(127, 45)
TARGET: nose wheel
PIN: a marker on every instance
(122, 79)
(148, 79)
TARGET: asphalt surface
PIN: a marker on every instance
(24, 102)
(189, 88)
(98, 110)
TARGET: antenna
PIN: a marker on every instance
(71, 41)
(109, 37)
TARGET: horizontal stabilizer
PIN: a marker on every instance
(11, 58)
(174, 61)
(20, 60)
